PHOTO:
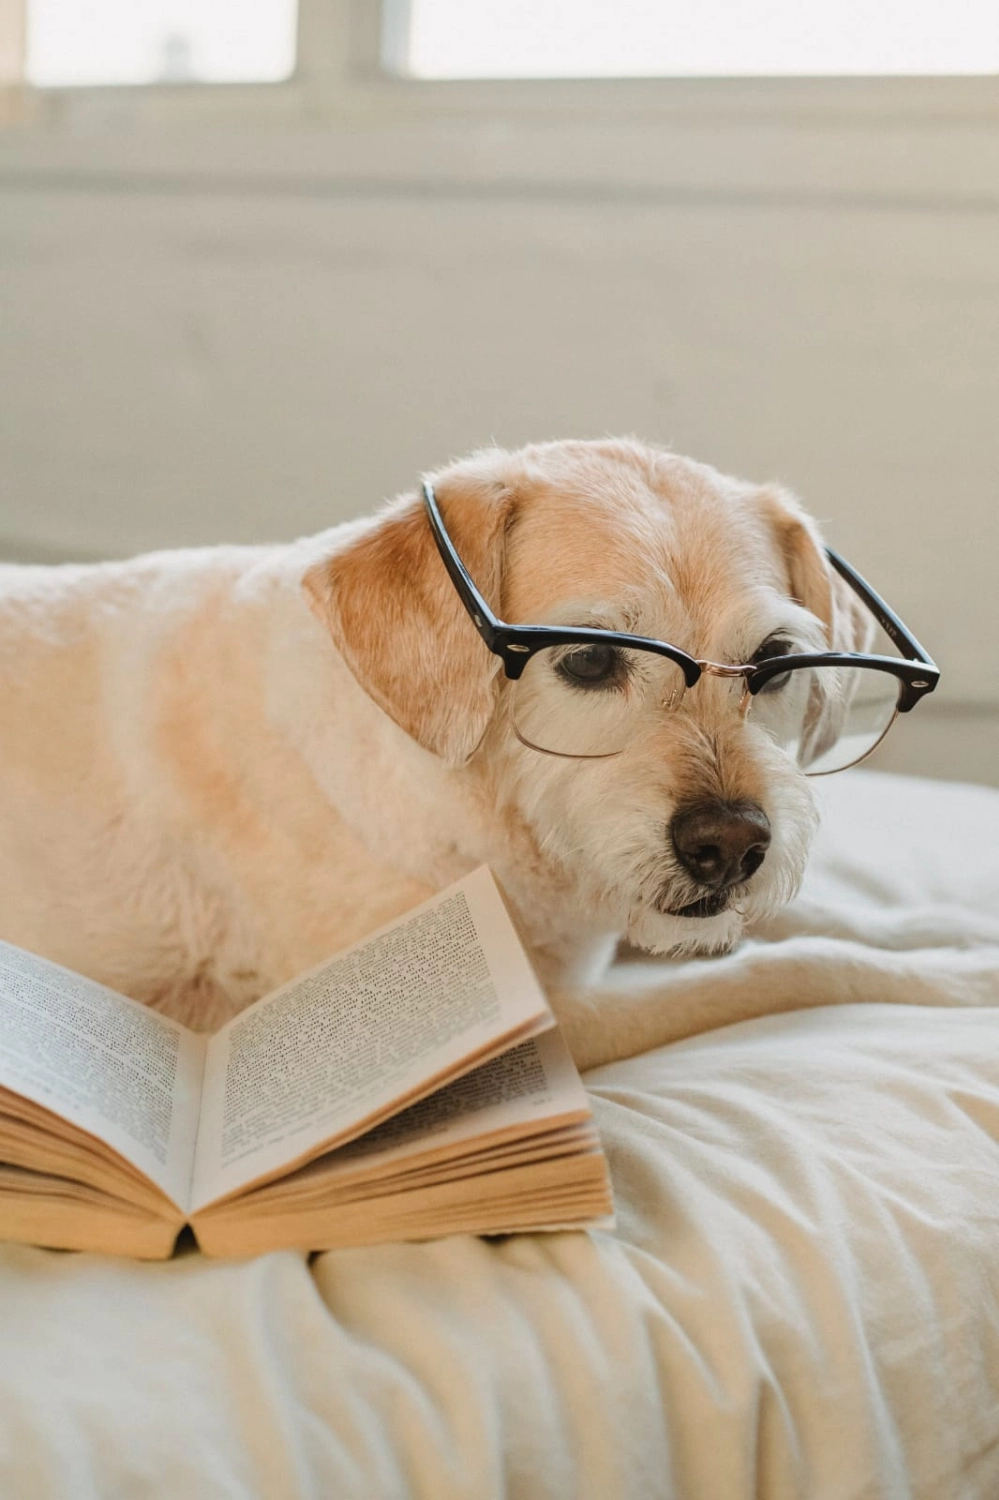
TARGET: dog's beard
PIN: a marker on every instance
(606, 826)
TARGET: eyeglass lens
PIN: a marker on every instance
(591, 700)
(827, 718)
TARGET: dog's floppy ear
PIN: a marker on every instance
(848, 625)
(394, 615)
(813, 580)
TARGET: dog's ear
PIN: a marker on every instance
(849, 626)
(392, 610)
(814, 582)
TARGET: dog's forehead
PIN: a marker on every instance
(678, 538)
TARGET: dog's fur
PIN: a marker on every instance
(218, 767)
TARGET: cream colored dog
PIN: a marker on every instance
(220, 766)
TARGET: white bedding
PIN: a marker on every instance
(801, 1297)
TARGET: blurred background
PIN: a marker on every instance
(261, 264)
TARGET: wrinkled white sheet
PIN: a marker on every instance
(801, 1297)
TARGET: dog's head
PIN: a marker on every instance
(699, 820)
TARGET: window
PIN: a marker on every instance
(159, 41)
(572, 61)
(712, 38)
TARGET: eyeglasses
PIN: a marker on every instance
(587, 693)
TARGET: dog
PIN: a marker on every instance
(220, 766)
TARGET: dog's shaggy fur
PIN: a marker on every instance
(218, 767)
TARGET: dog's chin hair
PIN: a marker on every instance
(680, 937)
(674, 936)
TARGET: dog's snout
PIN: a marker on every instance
(721, 843)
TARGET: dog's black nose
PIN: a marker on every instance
(721, 843)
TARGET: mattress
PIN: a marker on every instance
(800, 1297)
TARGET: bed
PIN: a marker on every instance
(800, 1298)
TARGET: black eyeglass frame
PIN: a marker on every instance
(917, 673)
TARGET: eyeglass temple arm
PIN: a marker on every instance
(485, 622)
(886, 617)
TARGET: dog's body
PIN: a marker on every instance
(221, 766)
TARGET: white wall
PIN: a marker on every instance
(212, 333)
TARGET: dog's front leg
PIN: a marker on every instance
(648, 1003)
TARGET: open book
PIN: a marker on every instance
(411, 1087)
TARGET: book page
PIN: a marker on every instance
(363, 1035)
(535, 1084)
(114, 1068)
(534, 1089)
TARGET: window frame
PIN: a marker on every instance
(348, 64)
(344, 119)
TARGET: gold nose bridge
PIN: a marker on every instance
(720, 669)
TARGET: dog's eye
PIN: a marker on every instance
(766, 652)
(775, 646)
(595, 665)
